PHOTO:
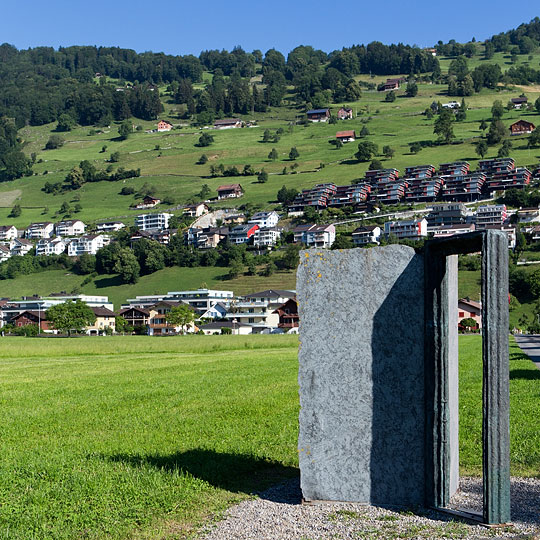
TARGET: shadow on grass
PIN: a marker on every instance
(525, 374)
(112, 281)
(238, 473)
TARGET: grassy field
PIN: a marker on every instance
(147, 438)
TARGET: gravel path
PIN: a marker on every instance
(278, 514)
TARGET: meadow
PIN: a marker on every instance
(149, 438)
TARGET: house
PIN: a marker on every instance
(233, 218)
(391, 84)
(110, 226)
(70, 227)
(468, 309)
(264, 219)
(318, 115)
(159, 221)
(490, 214)
(196, 210)
(89, 244)
(217, 311)
(366, 235)
(259, 315)
(163, 125)
(105, 318)
(20, 246)
(345, 113)
(200, 299)
(446, 214)
(288, 316)
(230, 191)
(321, 236)
(236, 328)
(415, 229)
(451, 105)
(346, 136)
(136, 316)
(519, 102)
(28, 317)
(529, 215)
(160, 236)
(228, 123)
(5, 253)
(158, 325)
(242, 233)
(521, 127)
(40, 230)
(266, 237)
(148, 202)
(51, 246)
(8, 232)
(444, 231)
(206, 238)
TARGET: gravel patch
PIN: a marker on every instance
(277, 514)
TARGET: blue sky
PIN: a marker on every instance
(182, 27)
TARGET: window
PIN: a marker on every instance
(461, 314)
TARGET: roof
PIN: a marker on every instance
(349, 133)
(519, 99)
(102, 311)
(227, 187)
(165, 122)
(345, 109)
(368, 228)
(472, 303)
(134, 308)
(226, 121)
(38, 314)
(272, 293)
(521, 121)
(7, 227)
(317, 111)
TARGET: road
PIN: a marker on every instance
(530, 345)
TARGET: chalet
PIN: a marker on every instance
(148, 202)
(391, 84)
(28, 317)
(230, 191)
(163, 125)
(196, 210)
(40, 230)
(468, 309)
(345, 113)
(228, 123)
(8, 232)
(136, 316)
(105, 318)
(366, 235)
(521, 127)
(519, 102)
(70, 227)
(346, 136)
(288, 316)
(318, 115)
(242, 233)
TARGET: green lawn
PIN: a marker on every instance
(146, 437)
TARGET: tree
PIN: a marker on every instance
(293, 154)
(496, 132)
(262, 177)
(415, 147)
(364, 132)
(15, 211)
(391, 96)
(122, 325)
(534, 138)
(266, 136)
(205, 140)
(443, 126)
(269, 269)
(286, 196)
(65, 122)
(375, 165)
(54, 142)
(114, 157)
(412, 89)
(124, 130)
(273, 155)
(537, 105)
(342, 241)
(127, 266)
(388, 151)
(483, 125)
(497, 110)
(481, 148)
(71, 316)
(235, 268)
(366, 150)
(290, 257)
(504, 150)
(74, 178)
(181, 315)
(202, 160)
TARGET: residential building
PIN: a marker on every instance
(51, 246)
(160, 236)
(521, 127)
(20, 246)
(456, 168)
(236, 328)
(468, 309)
(89, 244)
(345, 113)
(446, 214)
(264, 219)
(148, 202)
(321, 236)
(529, 215)
(145, 222)
(40, 230)
(110, 226)
(136, 316)
(346, 136)
(201, 300)
(266, 237)
(420, 171)
(228, 123)
(163, 125)
(444, 231)
(233, 218)
(273, 297)
(217, 311)
(519, 102)
(158, 324)
(488, 215)
(5, 253)
(206, 238)
(370, 234)
(491, 166)
(242, 233)
(71, 227)
(415, 229)
(8, 232)
(230, 191)
(105, 318)
(196, 210)
(510, 233)
(28, 317)
(289, 320)
(318, 115)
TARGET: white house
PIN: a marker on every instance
(5, 254)
(322, 236)
(413, 229)
(40, 230)
(8, 232)
(110, 226)
(264, 219)
(266, 237)
(51, 246)
(366, 235)
(70, 227)
(145, 222)
(20, 246)
(89, 244)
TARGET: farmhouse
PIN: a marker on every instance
(521, 127)
(470, 309)
(391, 84)
(318, 115)
(346, 136)
(228, 123)
(230, 191)
(345, 113)
(148, 202)
(519, 102)
(29, 317)
(163, 125)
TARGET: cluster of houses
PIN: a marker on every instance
(215, 312)
(422, 183)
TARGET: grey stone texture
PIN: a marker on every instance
(361, 375)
